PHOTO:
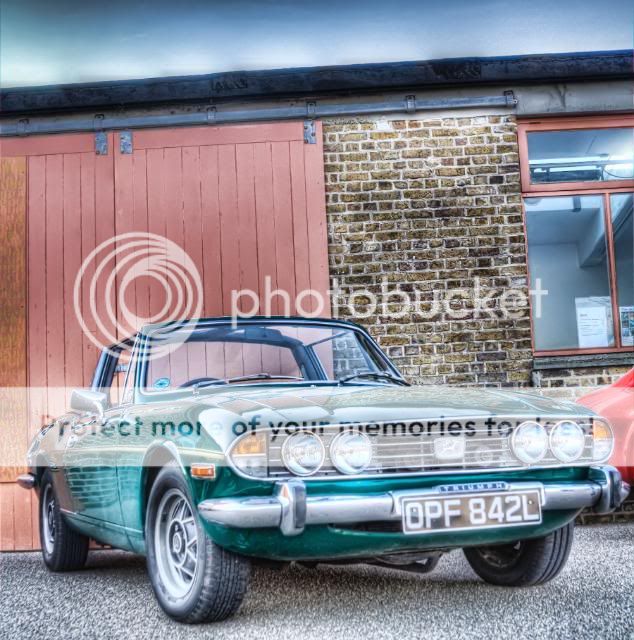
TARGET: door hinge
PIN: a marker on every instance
(101, 143)
(101, 138)
(511, 100)
(125, 142)
(23, 127)
(310, 136)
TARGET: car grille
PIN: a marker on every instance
(397, 451)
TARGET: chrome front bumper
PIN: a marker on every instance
(290, 509)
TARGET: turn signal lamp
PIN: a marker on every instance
(602, 440)
(203, 471)
(249, 455)
(252, 445)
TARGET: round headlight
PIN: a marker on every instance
(602, 440)
(567, 441)
(351, 452)
(529, 442)
(303, 453)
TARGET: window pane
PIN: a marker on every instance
(200, 360)
(581, 155)
(567, 256)
(346, 354)
(623, 230)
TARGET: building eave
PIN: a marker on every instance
(312, 81)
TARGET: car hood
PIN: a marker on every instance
(362, 403)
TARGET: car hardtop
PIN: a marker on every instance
(196, 323)
(223, 328)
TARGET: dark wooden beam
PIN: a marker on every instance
(301, 82)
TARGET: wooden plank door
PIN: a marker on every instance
(246, 203)
(15, 505)
(68, 208)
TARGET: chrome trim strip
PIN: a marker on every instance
(613, 489)
(570, 496)
(388, 475)
(291, 509)
(244, 513)
(341, 509)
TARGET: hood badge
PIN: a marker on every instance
(473, 487)
(449, 448)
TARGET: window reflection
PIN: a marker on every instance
(581, 155)
(567, 253)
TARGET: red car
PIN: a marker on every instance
(616, 403)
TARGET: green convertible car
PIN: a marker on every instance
(211, 444)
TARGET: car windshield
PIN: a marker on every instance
(257, 353)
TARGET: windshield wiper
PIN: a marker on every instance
(327, 339)
(382, 375)
(254, 376)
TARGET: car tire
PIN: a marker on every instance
(524, 563)
(194, 579)
(63, 549)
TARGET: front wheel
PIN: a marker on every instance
(193, 579)
(525, 562)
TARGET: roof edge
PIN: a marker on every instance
(304, 81)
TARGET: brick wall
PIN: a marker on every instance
(434, 205)
(431, 206)
(575, 382)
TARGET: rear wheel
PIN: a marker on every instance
(525, 562)
(63, 549)
(194, 579)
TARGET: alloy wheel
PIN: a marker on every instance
(176, 543)
(48, 518)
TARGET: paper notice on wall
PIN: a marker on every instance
(627, 326)
(594, 322)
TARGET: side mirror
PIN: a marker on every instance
(90, 401)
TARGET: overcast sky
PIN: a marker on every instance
(60, 41)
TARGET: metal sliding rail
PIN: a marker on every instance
(212, 115)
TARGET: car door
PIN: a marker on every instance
(91, 456)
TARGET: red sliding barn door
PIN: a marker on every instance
(245, 203)
(68, 208)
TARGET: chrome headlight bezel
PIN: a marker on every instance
(295, 468)
(556, 449)
(519, 452)
(248, 454)
(337, 457)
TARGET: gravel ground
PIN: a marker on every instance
(592, 597)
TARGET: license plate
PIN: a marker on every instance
(430, 514)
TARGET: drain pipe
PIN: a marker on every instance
(229, 115)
